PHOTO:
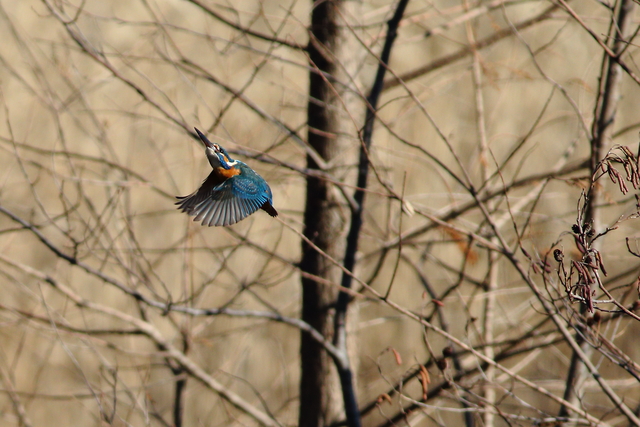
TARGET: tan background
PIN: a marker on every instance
(94, 166)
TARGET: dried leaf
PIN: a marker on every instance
(396, 355)
(463, 243)
(424, 380)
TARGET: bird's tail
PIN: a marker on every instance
(269, 209)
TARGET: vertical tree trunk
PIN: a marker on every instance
(601, 131)
(332, 51)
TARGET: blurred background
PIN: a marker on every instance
(492, 121)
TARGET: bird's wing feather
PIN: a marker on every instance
(228, 202)
(188, 203)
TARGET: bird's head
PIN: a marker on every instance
(218, 156)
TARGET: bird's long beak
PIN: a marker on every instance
(204, 139)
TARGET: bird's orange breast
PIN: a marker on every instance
(228, 173)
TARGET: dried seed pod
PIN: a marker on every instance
(558, 255)
(442, 364)
(447, 351)
(597, 317)
(396, 355)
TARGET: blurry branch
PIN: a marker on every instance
(508, 372)
(614, 53)
(468, 15)
(560, 324)
(519, 378)
(615, 354)
(555, 317)
(342, 186)
(487, 194)
(468, 50)
(342, 302)
(70, 155)
(319, 280)
(606, 105)
(489, 392)
(582, 279)
(60, 325)
(246, 31)
(256, 69)
(574, 105)
(501, 200)
(194, 69)
(584, 275)
(18, 406)
(456, 211)
(521, 143)
(180, 386)
(588, 223)
(512, 348)
(84, 44)
(151, 332)
(171, 307)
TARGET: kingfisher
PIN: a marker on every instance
(231, 192)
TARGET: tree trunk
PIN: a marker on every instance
(601, 131)
(333, 135)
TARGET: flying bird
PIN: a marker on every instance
(231, 192)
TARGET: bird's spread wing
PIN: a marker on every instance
(228, 202)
